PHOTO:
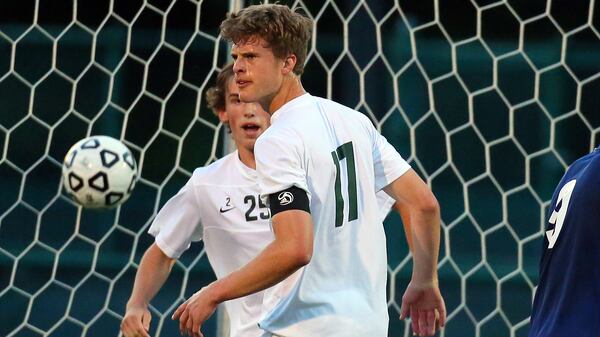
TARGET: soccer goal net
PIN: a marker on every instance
(490, 101)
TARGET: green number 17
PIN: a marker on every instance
(345, 151)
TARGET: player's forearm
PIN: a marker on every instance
(425, 228)
(291, 249)
(151, 275)
(270, 267)
(404, 212)
(424, 222)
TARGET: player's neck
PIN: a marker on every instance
(290, 89)
(246, 157)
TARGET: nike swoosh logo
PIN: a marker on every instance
(225, 210)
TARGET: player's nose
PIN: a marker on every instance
(250, 111)
(238, 66)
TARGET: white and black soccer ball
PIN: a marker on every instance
(99, 171)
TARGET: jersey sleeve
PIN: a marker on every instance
(279, 164)
(388, 163)
(385, 203)
(178, 224)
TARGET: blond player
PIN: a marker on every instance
(319, 167)
(220, 205)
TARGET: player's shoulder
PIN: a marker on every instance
(345, 112)
(332, 105)
(215, 172)
(287, 130)
(588, 161)
(278, 140)
(595, 157)
(585, 166)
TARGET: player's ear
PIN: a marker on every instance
(223, 117)
(289, 63)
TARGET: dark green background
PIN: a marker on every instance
(488, 113)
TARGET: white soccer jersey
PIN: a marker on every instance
(220, 205)
(385, 203)
(337, 156)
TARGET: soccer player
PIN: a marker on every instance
(568, 295)
(319, 166)
(219, 205)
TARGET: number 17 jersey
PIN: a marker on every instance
(336, 155)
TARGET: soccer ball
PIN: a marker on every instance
(99, 171)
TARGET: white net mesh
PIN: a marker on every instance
(489, 100)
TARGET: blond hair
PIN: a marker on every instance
(286, 32)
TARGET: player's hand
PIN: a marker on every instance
(194, 312)
(136, 322)
(425, 306)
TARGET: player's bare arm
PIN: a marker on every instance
(291, 250)
(422, 300)
(151, 275)
(404, 212)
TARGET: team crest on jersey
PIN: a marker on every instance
(285, 198)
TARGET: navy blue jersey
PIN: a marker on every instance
(567, 302)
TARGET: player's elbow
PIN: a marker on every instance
(304, 258)
(428, 205)
(300, 255)
(293, 254)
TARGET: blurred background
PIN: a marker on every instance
(490, 101)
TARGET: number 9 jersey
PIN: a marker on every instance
(567, 301)
(339, 159)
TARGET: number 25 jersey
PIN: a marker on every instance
(220, 205)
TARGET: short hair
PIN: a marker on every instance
(216, 95)
(285, 31)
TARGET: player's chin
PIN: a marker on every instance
(250, 141)
(247, 144)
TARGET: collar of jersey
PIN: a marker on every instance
(289, 105)
(246, 171)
